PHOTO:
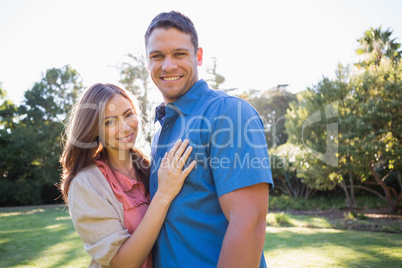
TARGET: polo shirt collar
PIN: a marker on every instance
(160, 113)
(185, 103)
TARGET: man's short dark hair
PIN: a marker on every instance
(173, 19)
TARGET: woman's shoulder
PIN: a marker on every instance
(92, 169)
(90, 175)
(88, 184)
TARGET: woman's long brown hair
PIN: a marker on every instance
(82, 145)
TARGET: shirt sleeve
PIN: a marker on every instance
(238, 148)
(96, 218)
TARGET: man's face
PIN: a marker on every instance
(172, 62)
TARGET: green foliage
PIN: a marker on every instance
(284, 161)
(377, 146)
(31, 135)
(351, 215)
(376, 45)
(363, 201)
(313, 123)
(135, 78)
(216, 79)
(314, 203)
(278, 219)
(272, 106)
(367, 118)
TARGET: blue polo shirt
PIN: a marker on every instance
(229, 145)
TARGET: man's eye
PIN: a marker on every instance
(156, 56)
(180, 54)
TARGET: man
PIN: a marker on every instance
(218, 219)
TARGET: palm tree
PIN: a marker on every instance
(377, 44)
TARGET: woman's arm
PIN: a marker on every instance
(171, 177)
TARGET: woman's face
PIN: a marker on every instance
(120, 124)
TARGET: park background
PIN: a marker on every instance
(304, 65)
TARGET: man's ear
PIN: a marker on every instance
(199, 56)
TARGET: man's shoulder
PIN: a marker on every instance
(219, 100)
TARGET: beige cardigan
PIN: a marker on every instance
(97, 216)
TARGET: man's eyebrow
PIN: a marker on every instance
(128, 110)
(181, 49)
(175, 50)
(154, 51)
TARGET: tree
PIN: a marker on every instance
(7, 124)
(376, 44)
(135, 78)
(217, 79)
(313, 124)
(377, 91)
(368, 148)
(378, 138)
(272, 105)
(285, 160)
(34, 136)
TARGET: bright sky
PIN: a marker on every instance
(258, 44)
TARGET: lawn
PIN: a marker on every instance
(45, 237)
(39, 237)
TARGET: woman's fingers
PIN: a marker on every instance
(164, 163)
(184, 157)
(172, 151)
(178, 156)
(179, 153)
(188, 169)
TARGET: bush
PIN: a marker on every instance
(21, 192)
(279, 219)
(323, 202)
(27, 192)
(6, 192)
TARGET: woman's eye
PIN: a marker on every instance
(110, 122)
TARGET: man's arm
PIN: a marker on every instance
(246, 210)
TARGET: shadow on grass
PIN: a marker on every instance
(38, 236)
(338, 248)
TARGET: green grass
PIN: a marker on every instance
(350, 220)
(321, 247)
(45, 237)
(311, 241)
(39, 237)
(286, 220)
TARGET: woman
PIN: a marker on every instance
(105, 180)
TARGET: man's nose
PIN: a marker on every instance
(169, 64)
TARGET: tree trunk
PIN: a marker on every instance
(393, 204)
(352, 203)
(345, 189)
